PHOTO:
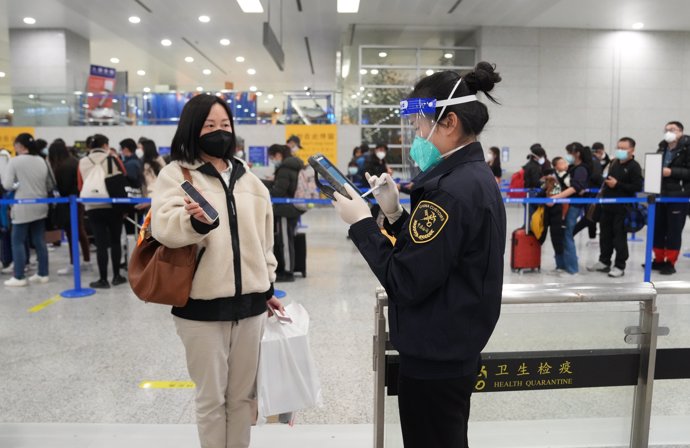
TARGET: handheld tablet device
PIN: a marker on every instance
(336, 180)
(210, 213)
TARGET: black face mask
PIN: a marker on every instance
(218, 143)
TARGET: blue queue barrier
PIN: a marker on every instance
(78, 291)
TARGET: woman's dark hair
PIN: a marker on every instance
(585, 154)
(40, 145)
(185, 143)
(356, 150)
(382, 145)
(283, 150)
(57, 154)
(496, 152)
(474, 115)
(99, 140)
(27, 140)
(151, 155)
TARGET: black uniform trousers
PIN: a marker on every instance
(434, 413)
(106, 224)
(613, 235)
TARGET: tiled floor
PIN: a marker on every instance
(80, 361)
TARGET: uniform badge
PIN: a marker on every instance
(427, 222)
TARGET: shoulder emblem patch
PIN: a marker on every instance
(427, 221)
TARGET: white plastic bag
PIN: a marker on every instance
(287, 380)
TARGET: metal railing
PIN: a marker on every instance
(524, 294)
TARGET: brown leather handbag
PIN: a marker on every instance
(159, 274)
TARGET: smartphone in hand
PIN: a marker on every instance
(210, 213)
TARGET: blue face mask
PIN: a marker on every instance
(424, 153)
(621, 154)
(570, 159)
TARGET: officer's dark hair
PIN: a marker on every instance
(585, 154)
(676, 123)
(129, 143)
(382, 145)
(283, 150)
(474, 115)
(629, 140)
(596, 146)
(99, 140)
(185, 143)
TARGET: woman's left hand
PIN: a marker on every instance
(273, 304)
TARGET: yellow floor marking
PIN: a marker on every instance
(42, 305)
(167, 385)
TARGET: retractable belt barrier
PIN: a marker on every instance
(637, 366)
(78, 291)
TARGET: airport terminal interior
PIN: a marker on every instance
(578, 350)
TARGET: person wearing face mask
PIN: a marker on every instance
(670, 218)
(580, 159)
(106, 223)
(602, 157)
(493, 158)
(132, 162)
(444, 275)
(221, 325)
(624, 180)
(376, 164)
(284, 185)
(536, 167)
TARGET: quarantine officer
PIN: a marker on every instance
(444, 274)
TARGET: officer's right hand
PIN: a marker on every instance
(387, 195)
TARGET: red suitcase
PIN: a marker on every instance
(525, 252)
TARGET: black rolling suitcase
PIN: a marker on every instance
(301, 254)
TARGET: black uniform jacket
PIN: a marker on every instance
(444, 276)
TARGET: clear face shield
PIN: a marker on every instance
(418, 121)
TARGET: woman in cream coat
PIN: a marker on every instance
(222, 323)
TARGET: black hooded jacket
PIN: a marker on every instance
(678, 183)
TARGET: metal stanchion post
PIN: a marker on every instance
(78, 291)
(651, 214)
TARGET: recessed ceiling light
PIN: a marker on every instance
(277, 110)
(374, 71)
(361, 88)
(114, 60)
(448, 55)
(429, 72)
(29, 20)
(239, 106)
(114, 101)
(366, 101)
(166, 42)
(306, 87)
(189, 59)
(638, 26)
(3, 74)
(239, 58)
(225, 42)
(141, 72)
(251, 6)
(353, 96)
(206, 71)
(270, 96)
(251, 71)
(65, 102)
(134, 19)
(147, 89)
(199, 89)
(32, 96)
(383, 54)
(363, 71)
(10, 111)
(78, 92)
(259, 93)
(252, 89)
(204, 19)
(348, 6)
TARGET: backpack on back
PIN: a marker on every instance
(94, 184)
(517, 180)
(306, 189)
